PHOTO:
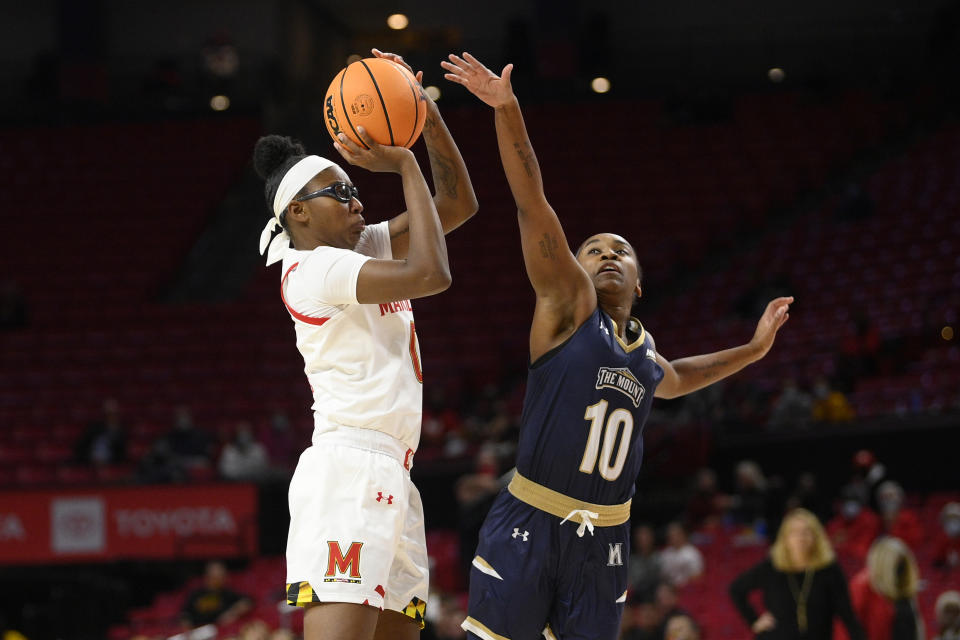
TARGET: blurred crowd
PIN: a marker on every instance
(845, 562)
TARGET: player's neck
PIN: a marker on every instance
(618, 311)
(308, 242)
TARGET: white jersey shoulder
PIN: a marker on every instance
(362, 360)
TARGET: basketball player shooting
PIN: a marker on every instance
(593, 375)
(356, 548)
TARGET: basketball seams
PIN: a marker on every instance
(416, 106)
(346, 114)
(386, 115)
(388, 88)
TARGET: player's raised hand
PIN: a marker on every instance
(393, 57)
(378, 158)
(774, 317)
(482, 82)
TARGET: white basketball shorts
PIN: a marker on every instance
(356, 525)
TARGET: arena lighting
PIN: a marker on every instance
(397, 21)
(219, 103)
(433, 92)
(776, 74)
(600, 85)
(947, 333)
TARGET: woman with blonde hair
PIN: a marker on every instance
(803, 587)
(884, 593)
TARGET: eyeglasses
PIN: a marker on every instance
(338, 190)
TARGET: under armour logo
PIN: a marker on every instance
(381, 497)
(615, 559)
(517, 534)
(604, 327)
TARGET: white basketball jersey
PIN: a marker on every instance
(362, 360)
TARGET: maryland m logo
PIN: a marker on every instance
(339, 564)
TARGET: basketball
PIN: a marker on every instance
(379, 95)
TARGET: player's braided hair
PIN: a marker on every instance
(273, 156)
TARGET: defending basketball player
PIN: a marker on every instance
(356, 548)
(593, 375)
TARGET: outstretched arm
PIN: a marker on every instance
(687, 375)
(453, 197)
(565, 294)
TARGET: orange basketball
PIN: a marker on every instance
(379, 95)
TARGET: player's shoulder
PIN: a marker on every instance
(375, 240)
(649, 337)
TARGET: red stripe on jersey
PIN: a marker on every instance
(299, 316)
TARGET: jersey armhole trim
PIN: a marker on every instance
(315, 321)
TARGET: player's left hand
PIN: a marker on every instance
(393, 57)
(774, 317)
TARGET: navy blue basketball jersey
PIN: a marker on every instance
(584, 411)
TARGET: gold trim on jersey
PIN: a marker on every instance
(548, 633)
(636, 343)
(557, 504)
(478, 628)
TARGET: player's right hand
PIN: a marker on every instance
(379, 158)
(469, 72)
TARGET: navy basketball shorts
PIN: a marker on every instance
(533, 577)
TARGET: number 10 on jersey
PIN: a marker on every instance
(610, 427)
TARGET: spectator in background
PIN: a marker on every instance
(803, 587)
(280, 441)
(806, 495)
(159, 465)
(214, 602)
(829, 404)
(13, 307)
(641, 620)
(243, 458)
(475, 493)
(946, 545)
(867, 474)
(896, 520)
(947, 612)
(705, 504)
(440, 421)
(681, 627)
(793, 406)
(105, 440)
(188, 443)
(855, 526)
(643, 569)
(680, 561)
(666, 602)
(884, 593)
(748, 504)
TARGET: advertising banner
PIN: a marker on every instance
(118, 523)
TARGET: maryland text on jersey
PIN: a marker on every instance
(623, 380)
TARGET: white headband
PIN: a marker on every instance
(293, 181)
